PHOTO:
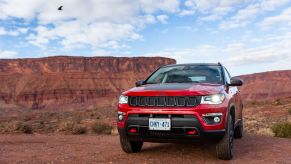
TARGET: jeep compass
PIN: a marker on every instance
(182, 102)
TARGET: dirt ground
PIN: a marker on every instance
(21, 148)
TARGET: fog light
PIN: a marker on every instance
(216, 119)
(120, 117)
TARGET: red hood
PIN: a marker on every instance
(175, 89)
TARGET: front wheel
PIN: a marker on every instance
(129, 146)
(224, 147)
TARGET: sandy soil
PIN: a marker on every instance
(106, 149)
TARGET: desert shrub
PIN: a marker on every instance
(278, 102)
(78, 129)
(66, 125)
(9, 126)
(15, 127)
(77, 118)
(26, 128)
(40, 124)
(254, 102)
(282, 130)
(289, 111)
(71, 126)
(101, 128)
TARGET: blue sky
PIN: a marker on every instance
(245, 35)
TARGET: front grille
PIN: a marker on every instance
(164, 101)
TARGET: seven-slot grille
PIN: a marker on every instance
(164, 101)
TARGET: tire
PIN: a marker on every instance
(224, 148)
(130, 146)
(238, 132)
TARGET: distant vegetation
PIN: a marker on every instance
(15, 126)
(63, 122)
(282, 130)
(278, 102)
(101, 128)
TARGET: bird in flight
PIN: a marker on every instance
(60, 8)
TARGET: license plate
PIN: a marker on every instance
(159, 124)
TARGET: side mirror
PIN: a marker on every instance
(139, 83)
(235, 82)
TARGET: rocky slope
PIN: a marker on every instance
(266, 86)
(71, 82)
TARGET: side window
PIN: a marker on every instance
(227, 75)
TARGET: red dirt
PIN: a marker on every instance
(106, 149)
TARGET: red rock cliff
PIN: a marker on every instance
(266, 86)
(72, 82)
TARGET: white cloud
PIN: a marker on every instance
(246, 15)
(15, 32)
(284, 17)
(275, 50)
(2, 31)
(163, 18)
(7, 54)
(271, 51)
(151, 6)
(92, 23)
(209, 10)
(200, 53)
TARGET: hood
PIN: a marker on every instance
(175, 89)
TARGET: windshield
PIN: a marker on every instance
(187, 74)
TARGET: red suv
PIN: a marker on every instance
(182, 102)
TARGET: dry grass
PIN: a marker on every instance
(101, 128)
(15, 127)
(79, 129)
(278, 102)
(260, 117)
(64, 122)
(282, 130)
(265, 132)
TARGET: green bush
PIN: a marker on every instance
(282, 130)
(101, 128)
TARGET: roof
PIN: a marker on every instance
(194, 64)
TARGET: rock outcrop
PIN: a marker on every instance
(72, 82)
(266, 86)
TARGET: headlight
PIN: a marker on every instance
(213, 99)
(123, 99)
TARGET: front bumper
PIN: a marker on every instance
(180, 123)
(181, 120)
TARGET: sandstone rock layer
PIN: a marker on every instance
(72, 82)
(266, 86)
